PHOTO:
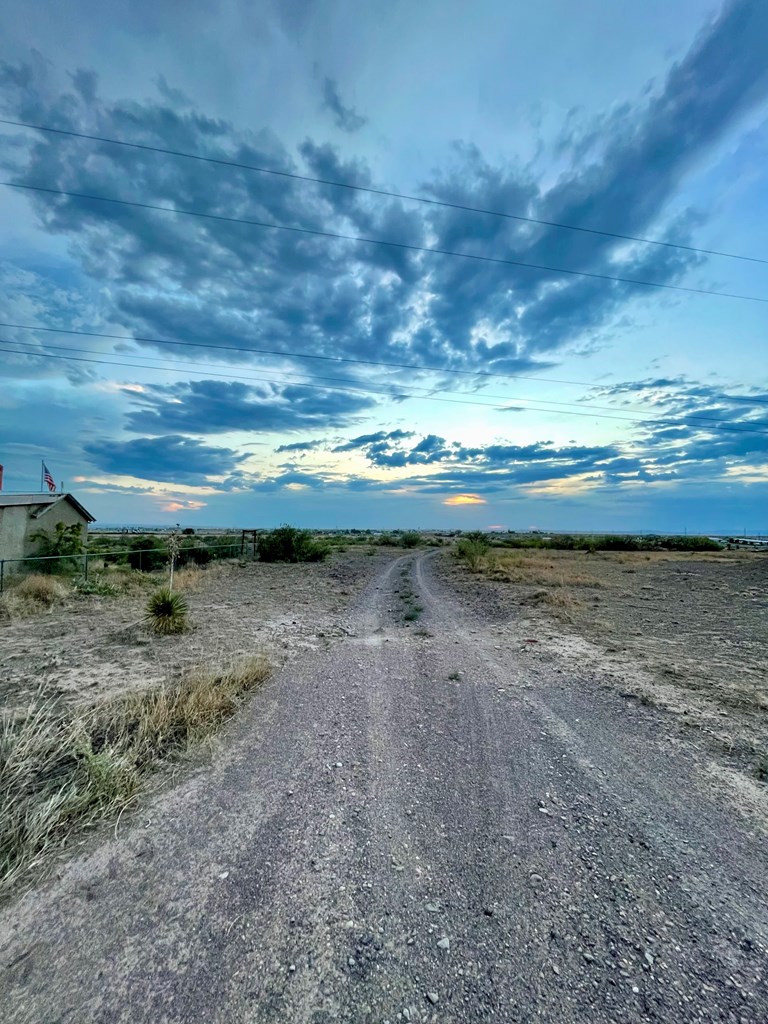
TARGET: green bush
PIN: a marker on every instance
(410, 539)
(60, 549)
(194, 554)
(95, 585)
(147, 554)
(387, 540)
(472, 551)
(288, 544)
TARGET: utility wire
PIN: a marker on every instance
(296, 355)
(393, 393)
(379, 241)
(376, 191)
(326, 358)
(184, 364)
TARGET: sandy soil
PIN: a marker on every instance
(97, 647)
(685, 633)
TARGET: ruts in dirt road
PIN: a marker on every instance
(420, 823)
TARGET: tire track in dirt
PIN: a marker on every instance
(409, 786)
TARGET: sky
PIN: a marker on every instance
(244, 339)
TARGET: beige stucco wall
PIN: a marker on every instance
(13, 531)
(17, 527)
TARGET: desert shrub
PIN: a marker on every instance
(166, 612)
(147, 554)
(288, 544)
(60, 771)
(410, 539)
(197, 555)
(618, 542)
(472, 552)
(95, 585)
(41, 590)
(59, 550)
(387, 540)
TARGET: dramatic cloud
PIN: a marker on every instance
(366, 440)
(299, 446)
(210, 406)
(172, 459)
(346, 118)
(220, 283)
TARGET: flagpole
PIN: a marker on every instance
(42, 473)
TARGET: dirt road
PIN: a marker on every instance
(422, 822)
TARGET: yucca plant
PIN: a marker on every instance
(166, 612)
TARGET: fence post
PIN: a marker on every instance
(2, 574)
(86, 565)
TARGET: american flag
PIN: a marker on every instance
(48, 479)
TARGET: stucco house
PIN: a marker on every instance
(22, 515)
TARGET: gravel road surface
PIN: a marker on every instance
(421, 823)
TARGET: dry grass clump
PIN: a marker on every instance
(539, 571)
(45, 590)
(189, 578)
(33, 595)
(63, 769)
(561, 602)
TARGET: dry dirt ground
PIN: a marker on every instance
(453, 818)
(97, 646)
(685, 633)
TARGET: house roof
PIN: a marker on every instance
(44, 503)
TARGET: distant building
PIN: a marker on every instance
(22, 515)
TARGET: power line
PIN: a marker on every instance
(380, 241)
(186, 364)
(295, 355)
(377, 191)
(399, 393)
(325, 358)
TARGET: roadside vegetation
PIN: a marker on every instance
(596, 542)
(287, 544)
(62, 769)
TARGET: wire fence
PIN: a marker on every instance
(142, 559)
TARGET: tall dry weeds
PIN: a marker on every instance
(62, 769)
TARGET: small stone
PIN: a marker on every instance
(649, 958)
(351, 961)
(535, 879)
(339, 764)
(433, 908)
(433, 998)
(292, 968)
(223, 875)
(555, 968)
(635, 989)
(444, 943)
(588, 957)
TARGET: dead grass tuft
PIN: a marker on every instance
(33, 595)
(45, 590)
(62, 769)
(189, 578)
(539, 571)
